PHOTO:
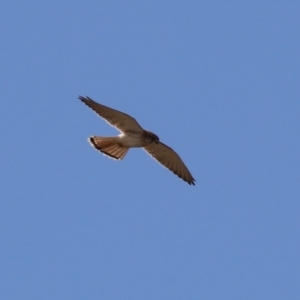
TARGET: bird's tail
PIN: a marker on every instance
(108, 146)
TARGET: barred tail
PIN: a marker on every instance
(108, 146)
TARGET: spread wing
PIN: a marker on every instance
(119, 120)
(171, 160)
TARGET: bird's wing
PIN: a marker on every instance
(171, 160)
(119, 120)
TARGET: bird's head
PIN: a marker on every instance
(154, 138)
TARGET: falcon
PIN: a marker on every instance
(134, 136)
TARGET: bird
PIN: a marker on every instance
(134, 136)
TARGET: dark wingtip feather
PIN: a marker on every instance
(191, 182)
(84, 99)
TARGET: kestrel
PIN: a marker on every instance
(133, 135)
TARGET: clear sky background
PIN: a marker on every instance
(218, 81)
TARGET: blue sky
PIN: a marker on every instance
(218, 81)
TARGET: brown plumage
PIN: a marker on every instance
(133, 135)
(108, 146)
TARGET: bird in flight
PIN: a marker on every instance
(133, 135)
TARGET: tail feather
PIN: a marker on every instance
(108, 146)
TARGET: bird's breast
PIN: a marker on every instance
(133, 139)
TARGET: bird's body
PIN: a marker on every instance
(132, 139)
(134, 136)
